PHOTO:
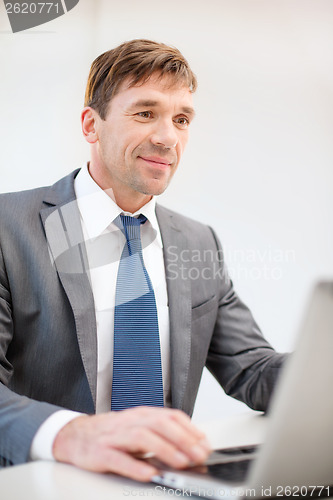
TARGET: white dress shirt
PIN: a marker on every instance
(104, 243)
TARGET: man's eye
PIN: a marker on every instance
(145, 114)
(183, 121)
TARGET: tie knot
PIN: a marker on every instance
(130, 226)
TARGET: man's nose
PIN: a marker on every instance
(165, 135)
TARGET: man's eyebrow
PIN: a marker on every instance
(188, 110)
(150, 103)
(144, 103)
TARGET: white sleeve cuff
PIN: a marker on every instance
(42, 443)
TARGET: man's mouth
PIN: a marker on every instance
(156, 161)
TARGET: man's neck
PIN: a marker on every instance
(128, 200)
(128, 204)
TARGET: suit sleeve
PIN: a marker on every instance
(20, 417)
(239, 357)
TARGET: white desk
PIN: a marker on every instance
(55, 481)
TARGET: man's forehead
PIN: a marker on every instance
(156, 91)
(155, 84)
(166, 81)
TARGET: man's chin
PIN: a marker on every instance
(155, 187)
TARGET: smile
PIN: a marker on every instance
(156, 161)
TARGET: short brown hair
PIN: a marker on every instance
(136, 60)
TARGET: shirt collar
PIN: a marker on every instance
(98, 208)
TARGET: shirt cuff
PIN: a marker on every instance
(42, 443)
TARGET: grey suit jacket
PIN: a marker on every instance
(48, 347)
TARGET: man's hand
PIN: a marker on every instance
(111, 442)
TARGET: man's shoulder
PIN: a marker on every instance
(31, 198)
(180, 219)
(13, 197)
(190, 228)
(21, 209)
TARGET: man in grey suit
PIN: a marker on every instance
(59, 256)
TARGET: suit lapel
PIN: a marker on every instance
(179, 300)
(61, 220)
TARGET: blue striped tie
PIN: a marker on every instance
(137, 372)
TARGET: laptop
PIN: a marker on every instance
(296, 457)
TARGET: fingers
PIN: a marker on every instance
(109, 442)
(125, 465)
(184, 435)
(144, 441)
(117, 462)
(175, 428)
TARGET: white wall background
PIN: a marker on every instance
(259, 163)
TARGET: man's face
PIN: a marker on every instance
(142, 139)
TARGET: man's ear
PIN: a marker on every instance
(88, 122)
